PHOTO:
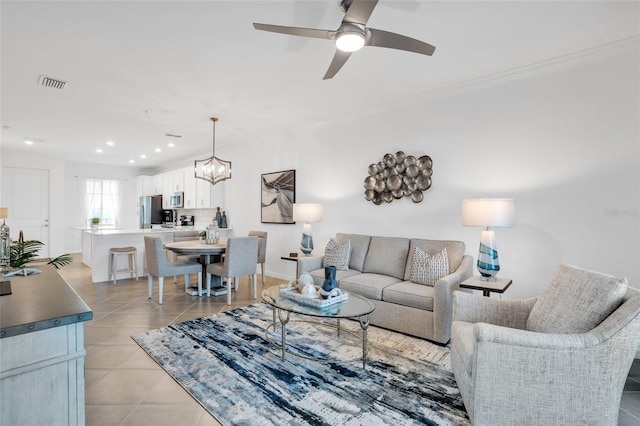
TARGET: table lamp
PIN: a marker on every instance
(488, 213)
(5, 248)
(307, 213)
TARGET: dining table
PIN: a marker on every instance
(206, 252)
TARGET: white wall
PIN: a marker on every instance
(563, 142)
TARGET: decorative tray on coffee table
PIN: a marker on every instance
(317, 302)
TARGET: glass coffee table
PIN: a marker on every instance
(355, 307)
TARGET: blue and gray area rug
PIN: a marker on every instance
(227, 365)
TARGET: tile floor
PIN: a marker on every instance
(124, 386)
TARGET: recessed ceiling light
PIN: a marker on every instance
(28, 142)
(99, 150)
(143, 156)
(132, 161)
(171, 144)
(110, 143)
(157, 150)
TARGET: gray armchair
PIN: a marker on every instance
(560, 358)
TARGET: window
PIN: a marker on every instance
(102, 200)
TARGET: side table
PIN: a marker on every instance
(292, 259)
(476, 283)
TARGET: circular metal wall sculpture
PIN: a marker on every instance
(398, 176)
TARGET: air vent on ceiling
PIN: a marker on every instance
(172, 136)
(51, 82)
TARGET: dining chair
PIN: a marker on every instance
(184, 236)
(239, 260)
(158, 266)
(262, 249)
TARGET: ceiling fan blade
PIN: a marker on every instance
(338, 61)
(359, 11)
(296, 31)
(381, 38)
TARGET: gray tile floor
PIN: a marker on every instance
(124, 386)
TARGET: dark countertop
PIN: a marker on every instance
(39, 302)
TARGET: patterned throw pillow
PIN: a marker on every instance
(428, 268)
(337, 255)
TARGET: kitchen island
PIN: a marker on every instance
(42, 351)
(97, 243)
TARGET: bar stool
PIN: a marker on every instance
(132, 254)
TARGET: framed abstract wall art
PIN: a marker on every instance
(278, 195)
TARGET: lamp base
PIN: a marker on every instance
(306, 245)
(488, 264)
(489, 279)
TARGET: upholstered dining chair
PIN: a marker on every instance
(158, 266)
(184, 236)
(561, 358)
(262, 249)
(239, 260)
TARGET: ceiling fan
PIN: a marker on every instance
(353, 34)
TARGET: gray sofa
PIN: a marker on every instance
(379, 269)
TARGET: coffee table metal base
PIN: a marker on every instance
(284, 317)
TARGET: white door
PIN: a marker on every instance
(25, 192)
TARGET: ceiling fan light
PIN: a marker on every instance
(350, 41)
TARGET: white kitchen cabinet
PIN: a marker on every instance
(144, 185)
(198, 193)
(177, 180)
(190, 191)
(203, 193)
(156, 185)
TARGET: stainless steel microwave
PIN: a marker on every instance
(176, 200)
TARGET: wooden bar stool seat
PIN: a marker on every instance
(131, 253)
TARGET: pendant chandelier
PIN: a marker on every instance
(213, 169)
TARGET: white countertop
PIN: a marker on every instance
(98, 232)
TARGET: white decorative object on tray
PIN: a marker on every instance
(317, 301)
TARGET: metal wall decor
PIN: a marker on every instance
(396, 176)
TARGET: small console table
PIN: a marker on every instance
(500, 285)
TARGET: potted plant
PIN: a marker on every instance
(95, 221)
(23, 252)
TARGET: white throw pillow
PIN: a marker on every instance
(428, 268)
(337, 255)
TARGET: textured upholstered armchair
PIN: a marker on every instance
(559, 359)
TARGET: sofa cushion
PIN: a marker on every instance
(428, 268)
(575, 301)
(367, 285)
(337, 255)
(410, 294)
(387, 256)
(359, 249)
(455, 252)
(318, 275)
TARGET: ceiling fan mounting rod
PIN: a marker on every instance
(344, 5)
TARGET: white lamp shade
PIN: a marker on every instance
(4, 212)
(488, 212)
(307, 212)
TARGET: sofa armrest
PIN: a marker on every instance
(308, 263)
(504, 312)
(443, 298)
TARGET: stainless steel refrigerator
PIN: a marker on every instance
(150, 210)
